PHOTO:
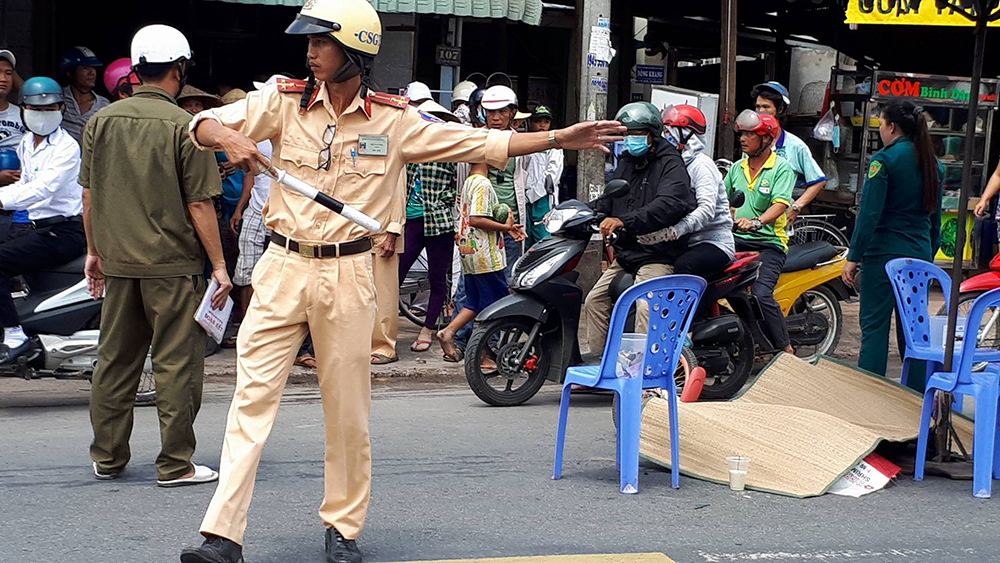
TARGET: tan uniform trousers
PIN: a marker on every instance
(386, 272)
(334, 300)
(598, 305)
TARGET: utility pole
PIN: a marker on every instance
(593, 18)
(593, 88)
(727, 80)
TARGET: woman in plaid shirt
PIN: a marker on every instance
(430, 224)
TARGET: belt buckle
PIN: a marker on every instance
(308, 250)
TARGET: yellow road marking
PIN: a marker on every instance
(608, 558)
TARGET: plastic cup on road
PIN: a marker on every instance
(738, 467)
(631, 355)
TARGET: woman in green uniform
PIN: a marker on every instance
(900, 216)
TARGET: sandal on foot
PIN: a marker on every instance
(202, 474)
(382, 359)
(420, 345)
(306, 360)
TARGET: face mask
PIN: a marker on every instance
(637, 145)
(42, 123)
(482, 115)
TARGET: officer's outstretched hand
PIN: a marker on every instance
(590, 135)
(225, 286)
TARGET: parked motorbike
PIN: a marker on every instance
(531, 335)
(969, 291)
(62, 321)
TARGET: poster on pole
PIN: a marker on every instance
(600, 44)
(907, 12)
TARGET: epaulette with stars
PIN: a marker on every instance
(291, 86)
(389, 100)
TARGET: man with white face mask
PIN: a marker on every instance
(49, 192)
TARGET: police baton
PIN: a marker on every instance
(321, 198)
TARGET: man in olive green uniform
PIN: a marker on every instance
(148, 213)
(892, 223)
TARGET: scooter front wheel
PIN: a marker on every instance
(491, 362)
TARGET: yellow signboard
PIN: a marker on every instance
(905, 12)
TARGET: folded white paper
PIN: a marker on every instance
(212, 320)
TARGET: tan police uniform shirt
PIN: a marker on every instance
(372, 143)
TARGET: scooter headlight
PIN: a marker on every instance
(538, 271)
(558, 218)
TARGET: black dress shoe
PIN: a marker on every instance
(340, 550)
(214, 550)
(10, 355)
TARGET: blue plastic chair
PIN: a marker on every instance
(672, 302)
(985, 387)
(910, 279)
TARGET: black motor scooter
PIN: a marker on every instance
(531, 335)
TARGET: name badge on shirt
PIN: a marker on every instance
(373, 145)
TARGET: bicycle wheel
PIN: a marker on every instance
(810, 230)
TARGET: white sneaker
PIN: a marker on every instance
(202, 474)
(104, 476)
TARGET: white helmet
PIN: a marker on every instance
(499, 97)
(418, 91)
(159, 44)
(463, 91)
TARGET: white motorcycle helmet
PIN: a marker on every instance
(499, 97)
(463, 91)
(418, 92)
(157, 44)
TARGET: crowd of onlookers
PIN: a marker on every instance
(470, 219)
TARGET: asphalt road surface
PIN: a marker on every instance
(452, 479)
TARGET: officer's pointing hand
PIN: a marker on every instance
(590, 135)
(242, 152)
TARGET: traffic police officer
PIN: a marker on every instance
(900, 216)
(316, 275)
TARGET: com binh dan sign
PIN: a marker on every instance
(931, 89)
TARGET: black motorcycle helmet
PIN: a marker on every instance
(475, 102)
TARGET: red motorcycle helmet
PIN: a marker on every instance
(759, 123)
(685, 117)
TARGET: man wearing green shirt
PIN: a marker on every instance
(767, 181)
(149, 220)
(500, 105)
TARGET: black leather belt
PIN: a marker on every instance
(49, 221)
(335, 250)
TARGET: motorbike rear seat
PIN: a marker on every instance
(805, 256)
(74, 266)
(742, 259)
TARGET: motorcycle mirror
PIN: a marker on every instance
(738, 199)
(616, 189)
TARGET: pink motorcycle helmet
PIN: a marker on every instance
(115, 71)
